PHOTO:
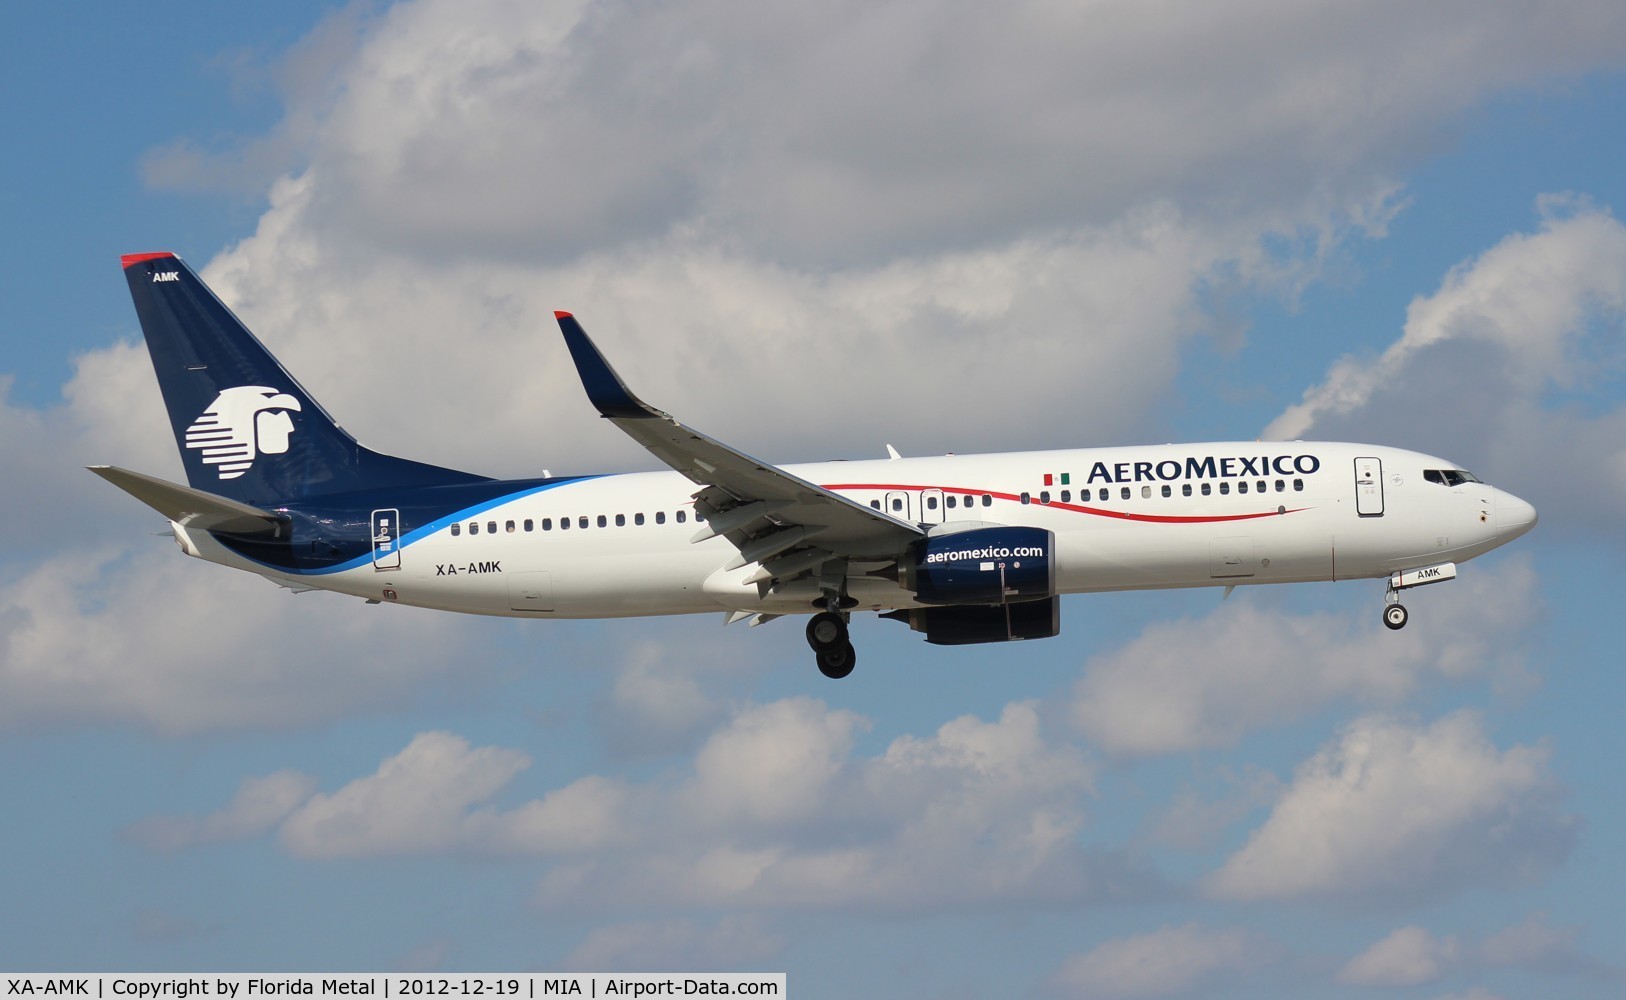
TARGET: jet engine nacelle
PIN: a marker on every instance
(984, 623)
(993, 565)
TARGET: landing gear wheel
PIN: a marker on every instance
(826, 629)
(1395, 616)
(827, 634)
(837, 662)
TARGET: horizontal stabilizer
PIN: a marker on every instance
(190, 507)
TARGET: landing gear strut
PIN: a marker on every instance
(1395, 615)
(827, 634)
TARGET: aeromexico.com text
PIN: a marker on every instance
(990, 552)
(1230, 467)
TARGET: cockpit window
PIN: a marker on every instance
(1449, 477)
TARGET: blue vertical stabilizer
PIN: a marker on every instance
(246, 429)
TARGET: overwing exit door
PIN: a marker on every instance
(1369, 487)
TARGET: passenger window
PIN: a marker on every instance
(491, 527)
(1185, 489)
(1242, 487)
(1280, 486)
(564, 523)
(950, 501)
(1066, 496)
(1262, 485)
(1208, 488)
(1044, 497)
(1298, 486)
(1123, 491)
(457, 529)
(1225, 488)
(987, 500)
(1104, 495)
(621, 520)
(931, 503)
(897, 503)
(876, 504)
(474, 527)
(547, 524)
(660, 517)
(581, 522)
(509, 527)
(530, 525)
(603, 521)
(638, 519)
(1168, 490)
(1026, 498)
(681, 517)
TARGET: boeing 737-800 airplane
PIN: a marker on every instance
(963, 548)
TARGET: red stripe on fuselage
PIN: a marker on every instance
(1056, 504)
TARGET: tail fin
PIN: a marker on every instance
(245, 428)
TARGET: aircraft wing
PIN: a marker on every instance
(787, 524)
(190, 507)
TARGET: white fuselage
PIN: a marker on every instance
(1127, 518)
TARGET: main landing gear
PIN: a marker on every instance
(827, 634)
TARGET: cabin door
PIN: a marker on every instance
(1369, 487)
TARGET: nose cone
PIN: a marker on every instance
(1514, 517)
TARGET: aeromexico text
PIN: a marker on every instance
(1210, 467)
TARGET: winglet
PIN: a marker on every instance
(604, 387)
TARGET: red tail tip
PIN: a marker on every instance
(136, 258)
(561, 314)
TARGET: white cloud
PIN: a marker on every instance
(979, 811)
(1487, 367)
(772, 765)
(1410, 956)
(147, 637)
(1413, 956)
(432, 798)
(680, 945)
(111, 413)
(657, 702)
(777, 811)
(1395, 811)
(259, 805)
(850, 129)
(930, 211)
(1192, 822)
(1537, 945)
(1531, 295)
(1188, 959)
(703, 332)
(1207, 682)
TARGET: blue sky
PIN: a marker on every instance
(814, 233)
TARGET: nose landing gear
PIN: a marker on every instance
(827, 634)
(1395, 614)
